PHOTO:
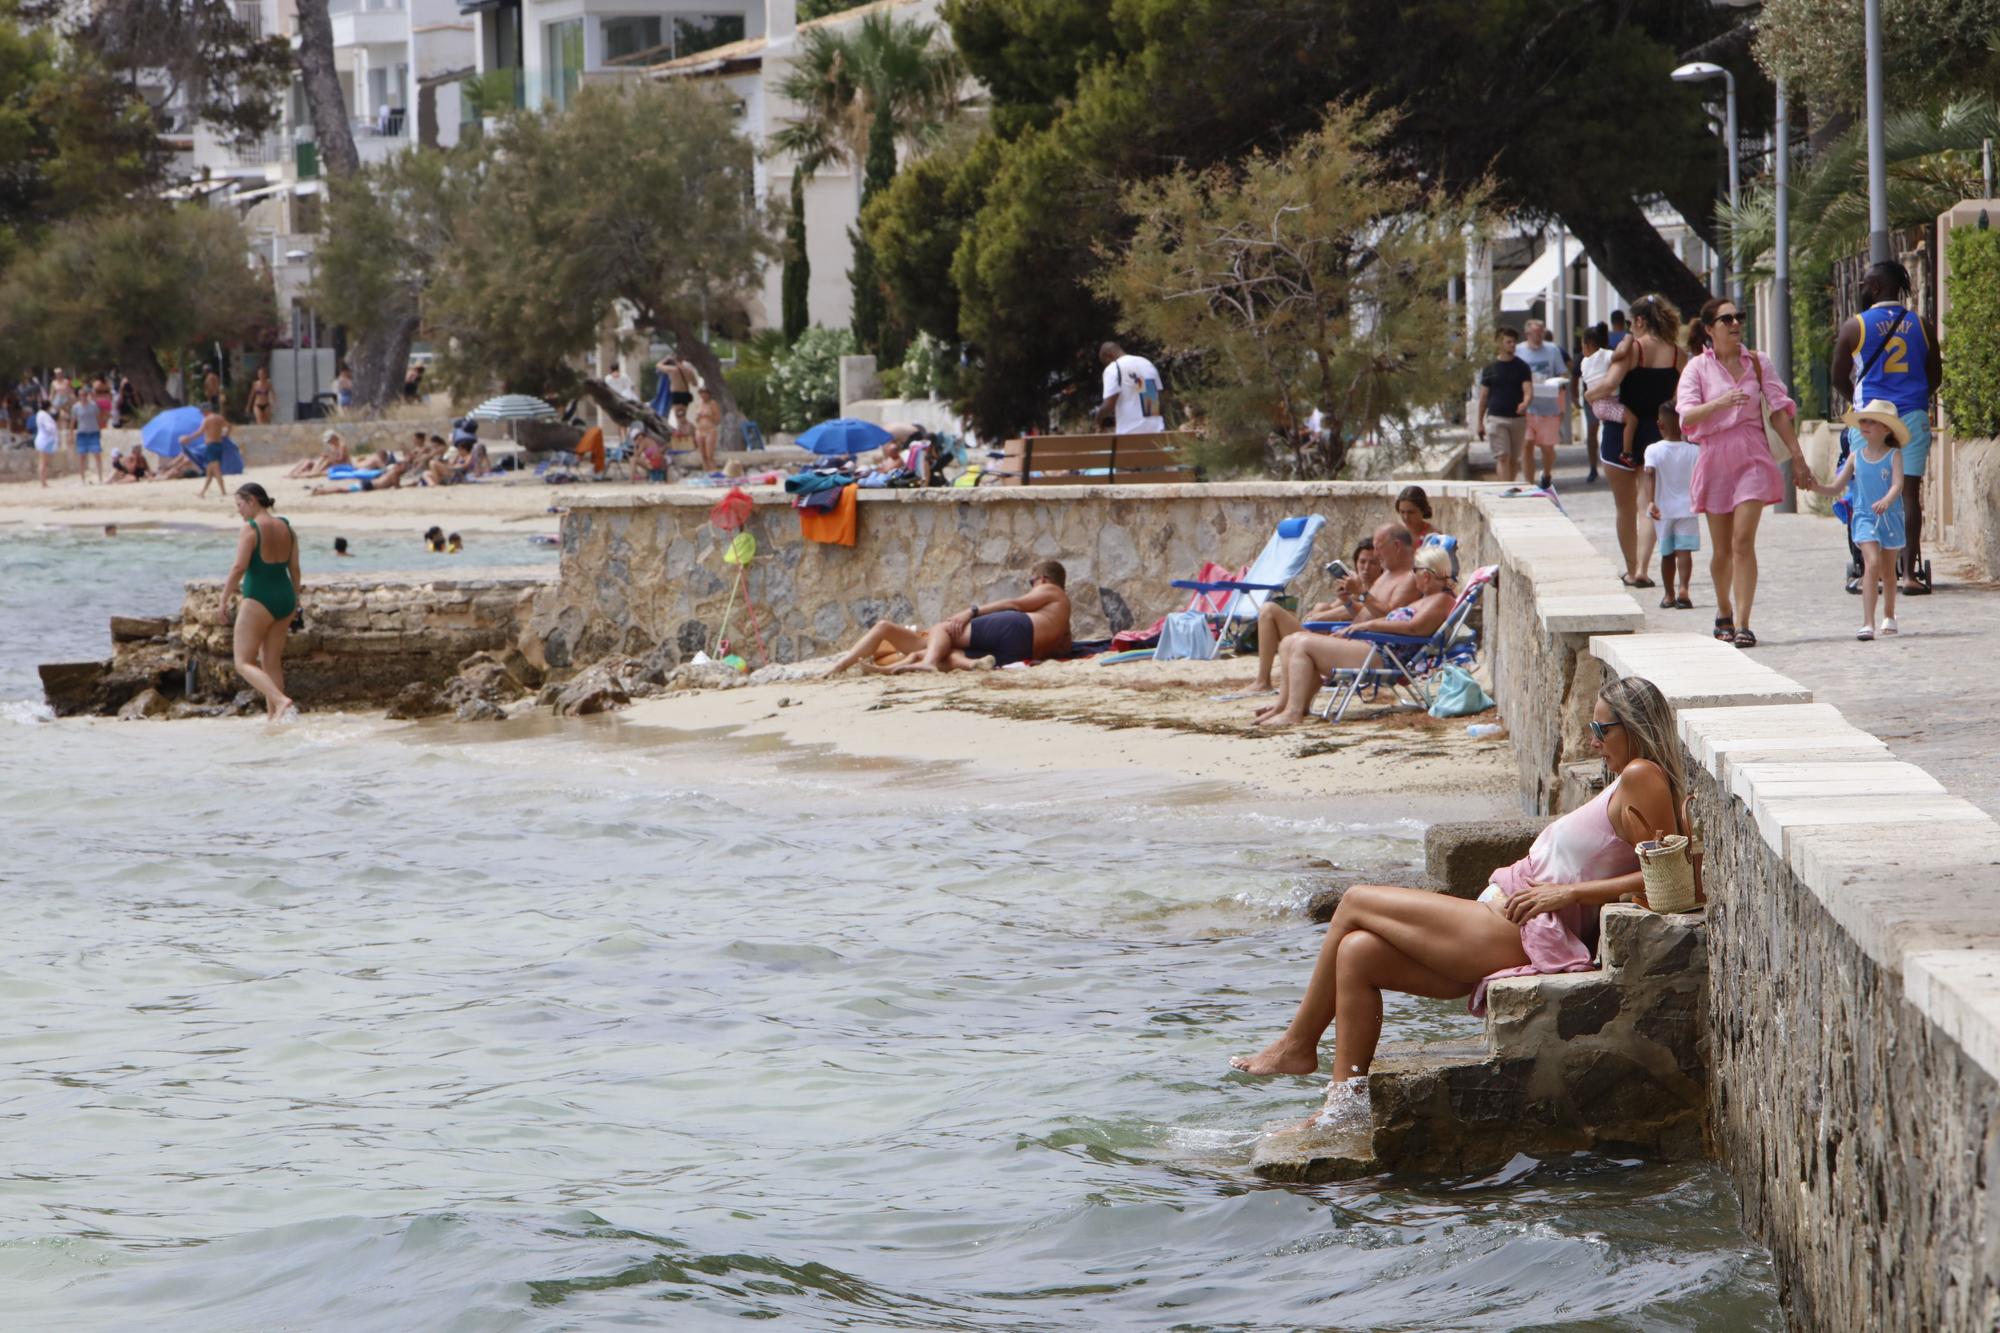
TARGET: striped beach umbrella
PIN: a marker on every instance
(513, 407)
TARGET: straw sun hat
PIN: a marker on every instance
(1883, 411)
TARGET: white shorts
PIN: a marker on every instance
(1678, 534)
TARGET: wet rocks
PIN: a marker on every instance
(599, 689)
(417, 700)
(136, 629)
(71, 688)
(148, 702)
(480, 710)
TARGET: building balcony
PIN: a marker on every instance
(370, 23)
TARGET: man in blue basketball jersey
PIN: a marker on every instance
(1891, 352)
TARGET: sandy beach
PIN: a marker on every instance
(1170, 721)
(526, 505)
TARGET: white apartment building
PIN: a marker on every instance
(537, 53)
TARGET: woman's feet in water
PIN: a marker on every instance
(1280, 1057)
(282, 711)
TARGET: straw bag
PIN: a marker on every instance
(1670, 867)
(1781, 453)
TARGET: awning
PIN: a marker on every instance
(481, 6)
(1534, 283)
(252, 196)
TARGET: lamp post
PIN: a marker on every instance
(1697, 72)
(1878, 170)
(1781, 271)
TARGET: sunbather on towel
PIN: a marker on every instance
(1305, 659)
(1386, 580)
(983, 635)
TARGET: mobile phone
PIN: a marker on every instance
(1336, 569)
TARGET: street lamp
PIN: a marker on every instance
(1697, 72)
(1878, 170)
(1781, 273)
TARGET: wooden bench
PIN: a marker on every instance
(1094, 460)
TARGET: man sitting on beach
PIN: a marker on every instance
(1383, 578)
(982, 636)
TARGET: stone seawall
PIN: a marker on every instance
(645, 574)
(1854, 997)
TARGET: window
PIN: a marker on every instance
(700, 32)
(563, 60)
(631, 35)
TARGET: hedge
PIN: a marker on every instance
(1971, 389)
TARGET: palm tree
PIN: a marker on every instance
(874, 86)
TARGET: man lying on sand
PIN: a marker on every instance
(980, 637)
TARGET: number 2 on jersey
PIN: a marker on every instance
(1896, 356)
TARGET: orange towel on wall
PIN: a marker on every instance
(591, 446)
(836, 525)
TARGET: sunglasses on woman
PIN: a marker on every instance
(1603, 729)
(1729, 319)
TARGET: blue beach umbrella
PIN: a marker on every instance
(162, 435)
(843, 436)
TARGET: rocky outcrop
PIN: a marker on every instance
(1612, 1059)
(366, 641)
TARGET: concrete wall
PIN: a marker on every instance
(642, 571)
(1962, 501)
(1854, 1001)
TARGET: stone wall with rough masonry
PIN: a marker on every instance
(640, 572)
(1854, 996)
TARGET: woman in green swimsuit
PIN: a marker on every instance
(267, 568)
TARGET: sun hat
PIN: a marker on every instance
(328, 436)
(1436, 560)
(1884, 411)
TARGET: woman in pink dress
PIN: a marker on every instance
(1538, 915)
(1721, 399)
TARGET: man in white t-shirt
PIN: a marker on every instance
(1131, 392)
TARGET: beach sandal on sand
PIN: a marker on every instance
(1725, 629)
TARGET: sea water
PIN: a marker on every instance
(354, 1025)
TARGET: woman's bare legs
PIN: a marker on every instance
(253, 628)
(272, 659)
(1744, 538)
(883, 631)
(1304, 661)
(1274, 625)
(1404, 939)
(1722, 563)
(1625, 495)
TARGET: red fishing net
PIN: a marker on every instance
(732, 511)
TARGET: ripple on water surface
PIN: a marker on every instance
(349, 1026)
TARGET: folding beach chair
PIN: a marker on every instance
(1283, 559)
(1402, 663)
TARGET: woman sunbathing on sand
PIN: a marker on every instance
(1538, 915)
(332, 456)
(1304, 660)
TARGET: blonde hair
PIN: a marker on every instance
(1434, 558)
(1649, 728)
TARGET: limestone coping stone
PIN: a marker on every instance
(1719, 739)
(1303, 491)
(1589, 613)
(1960, 992)
(1755, 782)
(1694, 670)
(1896, 896)
(1780, 819)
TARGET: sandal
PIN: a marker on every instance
(1641, 582)
(1667, 602)
(1683, 604)
(1745, 639)
(1725, 629)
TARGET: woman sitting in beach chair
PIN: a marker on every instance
(1304, 660)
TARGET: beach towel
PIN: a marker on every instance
(836, 526)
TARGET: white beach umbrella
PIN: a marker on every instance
(513, 407)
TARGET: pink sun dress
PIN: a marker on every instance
(1735, 465)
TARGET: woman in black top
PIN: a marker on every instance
(1645, 371)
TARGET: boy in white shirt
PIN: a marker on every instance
(1670, 501)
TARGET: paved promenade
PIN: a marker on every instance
(1929, 693)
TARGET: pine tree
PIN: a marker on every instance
(871, 314)
(798, 268)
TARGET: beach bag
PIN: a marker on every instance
(1458, 694)
(1667, 866)
(1781, 453)
(1185, 637)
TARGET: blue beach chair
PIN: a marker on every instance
(1283, 559)
(1404, 663)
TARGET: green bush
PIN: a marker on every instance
(1971, 390)
(805, 378)
(930, 368)
(750, 378)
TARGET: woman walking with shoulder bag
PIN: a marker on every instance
(1644, 371)
(1727, 396)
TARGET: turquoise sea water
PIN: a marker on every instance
(353, 1025)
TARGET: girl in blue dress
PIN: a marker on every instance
(1872, 477)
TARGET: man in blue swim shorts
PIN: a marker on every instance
(1034, 626)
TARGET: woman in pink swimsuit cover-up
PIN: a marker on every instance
(1538, 915)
